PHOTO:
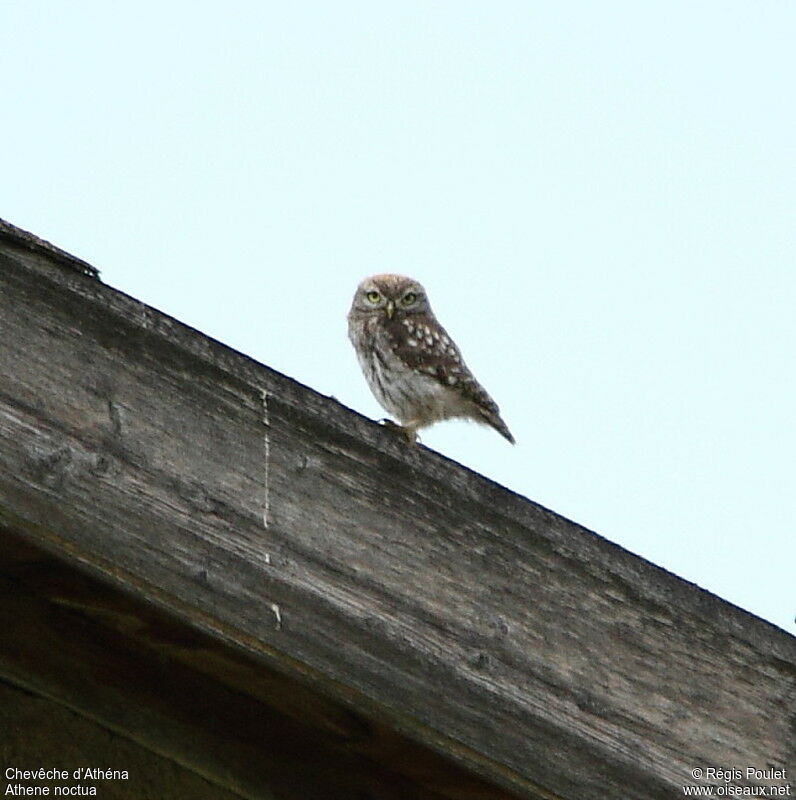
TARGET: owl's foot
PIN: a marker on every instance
(409, 433)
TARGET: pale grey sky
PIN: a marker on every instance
(599, 198)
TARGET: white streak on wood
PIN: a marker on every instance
(267, 457)
(277, 617)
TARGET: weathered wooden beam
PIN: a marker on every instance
(514, 642)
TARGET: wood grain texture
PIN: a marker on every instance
(518, 644)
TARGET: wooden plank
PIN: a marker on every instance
(515, 642)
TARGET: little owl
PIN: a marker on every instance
(410, 363)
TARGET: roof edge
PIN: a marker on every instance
(32, 242)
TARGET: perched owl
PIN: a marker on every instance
(410, 363)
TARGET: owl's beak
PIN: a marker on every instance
(390, 308)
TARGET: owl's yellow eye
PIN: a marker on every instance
(409, 298)
(373, 296)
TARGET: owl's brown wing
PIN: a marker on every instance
(425, 346)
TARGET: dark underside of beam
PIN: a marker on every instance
(233, 557)
(183, 695)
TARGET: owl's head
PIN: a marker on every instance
(389, 295)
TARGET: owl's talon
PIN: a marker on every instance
(408, 433)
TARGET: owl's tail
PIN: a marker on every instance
(494, 420)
